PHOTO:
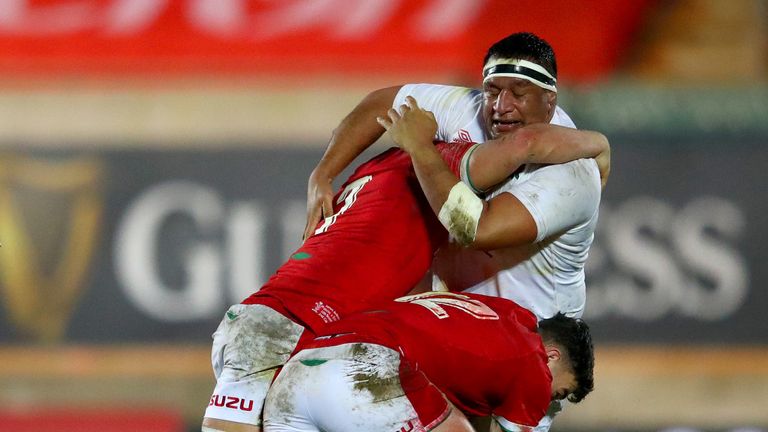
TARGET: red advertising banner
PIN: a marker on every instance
(303, 37)
(73, 419)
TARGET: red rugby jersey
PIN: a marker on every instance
(376, 247)
(482, 352)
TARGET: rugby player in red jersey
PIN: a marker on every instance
(408, 365)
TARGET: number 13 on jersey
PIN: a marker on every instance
(348, 196)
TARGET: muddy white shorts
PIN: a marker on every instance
(352, 387)
(251, 344)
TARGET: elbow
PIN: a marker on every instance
(600, 142)
(480, 243)
(603, 143)
(382, 98)
(375, 104)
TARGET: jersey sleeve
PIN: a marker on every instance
(561, 118)
(554, 408)
(527, 397)
(456, 156)
(508, 426)
(453, 107)
(559, 197)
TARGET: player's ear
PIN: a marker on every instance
(553, 353)
(551, 101)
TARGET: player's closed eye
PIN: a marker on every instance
(491, 90)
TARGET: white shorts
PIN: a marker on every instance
(352, 387)
(251, 344)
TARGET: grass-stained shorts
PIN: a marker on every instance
(250, 345)
(352, 387)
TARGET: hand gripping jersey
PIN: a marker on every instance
(376, 246)
(483, 353)
(563, 200)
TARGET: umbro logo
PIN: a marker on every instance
(463, 136)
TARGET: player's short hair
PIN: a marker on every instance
(573, 335)
(524, 46)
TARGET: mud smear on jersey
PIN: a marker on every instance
(376, 374)
(263, 341)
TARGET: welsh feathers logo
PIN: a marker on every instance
(50, 217)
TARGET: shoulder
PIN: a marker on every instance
(573, 185)
(580, 171)
(558, 197)
(553, 179)
(458, 110)
(583, 171)
(561, 118)
(436, 97)
(454, 93)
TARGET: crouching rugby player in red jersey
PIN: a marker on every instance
(408, 365)
(377, 244)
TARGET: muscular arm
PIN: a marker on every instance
(504, 221)
(356, 132)
(540, 143)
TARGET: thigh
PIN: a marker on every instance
(286, 404)
(251, 344)
(346, 388)
(455, 422)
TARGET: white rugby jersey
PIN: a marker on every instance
(563, 200)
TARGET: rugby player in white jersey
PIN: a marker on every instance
(548, 213)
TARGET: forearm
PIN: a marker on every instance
(496, 160)
(434, 176)
(455, 205)
(356, 132)
(485, 225)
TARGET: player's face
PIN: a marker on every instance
(563, 379)
(510, 103)
(563, 384)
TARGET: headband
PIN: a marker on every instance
(523, 69)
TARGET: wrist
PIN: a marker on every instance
(322, 173)
(419, 148)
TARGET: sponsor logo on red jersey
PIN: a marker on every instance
(325, 312)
